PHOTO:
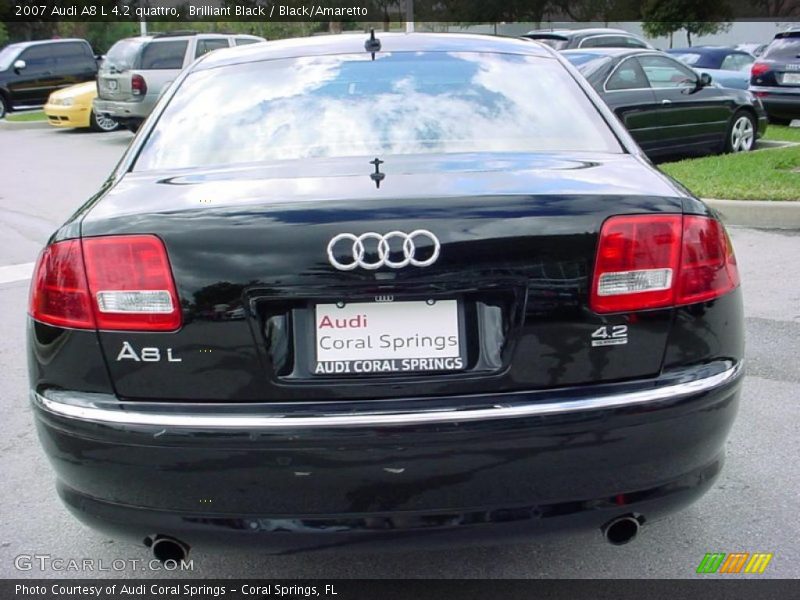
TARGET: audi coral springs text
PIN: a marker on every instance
(356, 289)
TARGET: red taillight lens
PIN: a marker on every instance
(59, 295)
(637, 259)
(708, 264)
(138, 85)
(117, 283)
(131, 283)
(758, 69)
(654, 261)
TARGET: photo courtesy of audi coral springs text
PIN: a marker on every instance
(374, 289)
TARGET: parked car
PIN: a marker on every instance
(728, 67)
(31, 71)
(756, 49)
(775, 78)
(136, 70)
(471, 308)
(606, 37)
(668, 107)
(72, 107)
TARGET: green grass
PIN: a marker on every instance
(772, 174)
(21, 117)
(786, 134)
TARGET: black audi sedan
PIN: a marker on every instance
(669, 108)
(359, 291)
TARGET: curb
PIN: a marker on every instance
(22, 124)
(760, 214)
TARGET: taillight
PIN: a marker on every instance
(758, 69)
(656, 261)
(114, 283)
(708, 264)
(138, 85)
(59, 293)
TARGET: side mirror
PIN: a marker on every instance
(705, 80)
(19, 65)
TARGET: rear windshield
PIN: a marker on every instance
(785, 47)
(350, 105)
(163, 55)
(122, 55)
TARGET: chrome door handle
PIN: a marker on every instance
(665, 101)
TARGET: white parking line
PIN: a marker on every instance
(16, 272)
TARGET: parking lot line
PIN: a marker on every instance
(16, 272)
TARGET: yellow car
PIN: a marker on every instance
(72, 107)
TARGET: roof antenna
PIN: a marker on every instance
(377, 176)
(373, 44)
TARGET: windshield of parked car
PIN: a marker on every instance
(122, 55)
(8, 55)
(588, 63)
(554, 43)
(690, 58)
(351, 105)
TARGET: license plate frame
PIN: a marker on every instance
(791, 79)
(444, 317)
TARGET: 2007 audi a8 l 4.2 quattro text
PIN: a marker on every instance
(360, 289)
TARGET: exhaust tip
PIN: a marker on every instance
(621, 530)
(167, 548)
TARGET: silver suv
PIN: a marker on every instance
(136, 70)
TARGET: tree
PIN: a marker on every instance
(779, 8)
(598, 10)
(3, 35)
(664, 17)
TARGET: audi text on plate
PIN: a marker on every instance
(355, 290)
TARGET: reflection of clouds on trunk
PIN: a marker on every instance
(348, 105)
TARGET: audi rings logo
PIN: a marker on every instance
(353, 249)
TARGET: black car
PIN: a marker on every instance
(775, 78)
(413, 287)
(594, 37)
(30, 71)
(667, 107)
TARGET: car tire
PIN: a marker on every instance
(102, 123)
(3, 106)
(741, 134)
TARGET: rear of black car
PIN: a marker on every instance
(380, 298)
(775, 78)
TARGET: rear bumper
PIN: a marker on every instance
(122, 111)
(782, 104)
(508, 465)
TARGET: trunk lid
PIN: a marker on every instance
(249, 253)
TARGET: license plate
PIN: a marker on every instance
(791, 78)
(387, 337)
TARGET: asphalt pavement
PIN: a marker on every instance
(46, 174)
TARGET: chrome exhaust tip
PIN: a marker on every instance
(621, 530)
(166, 548)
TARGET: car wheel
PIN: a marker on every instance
(100, 122)
(3, 107)
(741, 133)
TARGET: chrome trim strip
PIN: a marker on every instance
(235, 421)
